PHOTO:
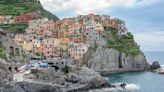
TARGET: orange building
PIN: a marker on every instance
(2, 19)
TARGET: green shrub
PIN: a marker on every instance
(14, 28)
(2, 51)
(125, 45)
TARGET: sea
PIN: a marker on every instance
(138, 81)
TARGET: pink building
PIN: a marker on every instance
(48, 33)
(77, 50)
(19, 39)
(51, 48)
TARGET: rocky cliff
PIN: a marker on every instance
(5, 74)
(107, 61)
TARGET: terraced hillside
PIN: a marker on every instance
(21, 7)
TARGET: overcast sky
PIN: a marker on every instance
(144, 18)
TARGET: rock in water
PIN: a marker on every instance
(88, 79)
(155, 65)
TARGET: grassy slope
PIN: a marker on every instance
(14, 28)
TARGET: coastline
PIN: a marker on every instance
(110, 72)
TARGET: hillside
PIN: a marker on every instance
(21, 8)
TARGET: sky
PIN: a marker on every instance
(144, 18)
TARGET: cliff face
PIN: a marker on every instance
(107, 61)
(5, 74)
(119, 54)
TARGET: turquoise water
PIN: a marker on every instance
(142, 81)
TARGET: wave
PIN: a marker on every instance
(162, 66)
(130, 87)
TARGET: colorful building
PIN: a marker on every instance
(119, 25)
(28, 46)
(9, 20)
(51, 48)
(2, 19)
(23, 18)
(19, 39)
(77, 50)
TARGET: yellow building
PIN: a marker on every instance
(28, 46)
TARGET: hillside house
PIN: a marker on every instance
(28, 46)
(119, 25)
(19, 39)
(77, 50)
(2, 19)
(51, 48)
(9, 20)
(23, 18)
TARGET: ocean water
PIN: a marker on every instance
(140, 81)
(155, 56)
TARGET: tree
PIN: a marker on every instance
(8, 1)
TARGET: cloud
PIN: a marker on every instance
(90, 6)
(150, 41)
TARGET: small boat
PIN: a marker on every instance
(161, 72)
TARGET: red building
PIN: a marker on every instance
(23, 18)
(81, 22)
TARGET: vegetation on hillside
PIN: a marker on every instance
(125, 44)
(14, 28)
(19, 7)
(2, 51)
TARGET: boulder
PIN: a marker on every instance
(28, 87)
(83, 79)
(72, 78)
(155, 65)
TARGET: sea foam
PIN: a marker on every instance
(130, 87)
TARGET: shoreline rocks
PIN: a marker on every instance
(156, 67)
(75, 79)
